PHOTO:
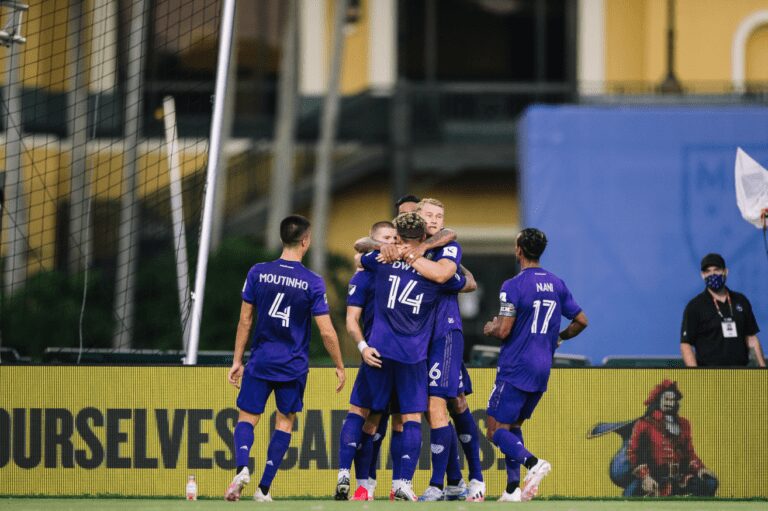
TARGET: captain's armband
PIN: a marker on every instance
(508, 310)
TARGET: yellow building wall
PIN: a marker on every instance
(624, 29)
(43, 56)
(468, 203)
(757, 56)
(354, 67)
(635, 46)
(45, 183)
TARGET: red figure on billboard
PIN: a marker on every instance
(657, 457)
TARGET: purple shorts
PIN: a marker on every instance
(254, 392)
(445, 363)
(465, 382)
(508, 404)
(362, 394)
(404, 384)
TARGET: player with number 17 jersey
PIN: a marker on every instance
(286, 295)
(537, 298)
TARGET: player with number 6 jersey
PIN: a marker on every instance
(404, 317)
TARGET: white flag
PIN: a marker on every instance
(751, 188)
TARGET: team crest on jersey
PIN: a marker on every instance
(352, 289)
(503, 296)
(451, 252)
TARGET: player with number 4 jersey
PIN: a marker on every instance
(284, 296)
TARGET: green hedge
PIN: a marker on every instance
(46, 311)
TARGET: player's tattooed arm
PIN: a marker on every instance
(439, 239)
(389, 252)
(576, 326)
(499, 327)
(437, 271)
(471, 284)
(367, 244)
(241, 340)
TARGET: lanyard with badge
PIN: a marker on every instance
(728, 324)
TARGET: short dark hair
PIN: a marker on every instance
(293, 229)
(532, 242)
(410, 225)
(381, 225)
(406, 198)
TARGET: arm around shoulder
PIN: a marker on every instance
(471, 284)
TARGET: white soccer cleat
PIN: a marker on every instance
(405, 492)
(342, 486)
(371, 485)
(458, 492)
(533, 479)
(476, 491)
(511, 497)
(260, 497)
(235, 488)
(432, 494)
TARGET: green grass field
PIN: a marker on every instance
(73, 504)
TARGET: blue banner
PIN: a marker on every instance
(631, 198)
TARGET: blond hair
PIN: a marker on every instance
(434, 202)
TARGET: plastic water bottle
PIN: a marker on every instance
(191, 488)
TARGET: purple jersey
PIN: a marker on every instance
(448, 314)
(286, 295)
(404, 313)
(360, 294)
(536, 299)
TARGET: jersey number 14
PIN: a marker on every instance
(405, 295)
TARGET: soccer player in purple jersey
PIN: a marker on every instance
(403, 321)
(528, 323)
(354, 443)
(390, 253)
(448, 378)
(285, 296)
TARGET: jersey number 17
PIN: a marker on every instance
(550, 306)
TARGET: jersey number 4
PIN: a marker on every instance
(405, 295)
(283, 315)
(550, 306)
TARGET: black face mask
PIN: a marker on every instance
(715, 282)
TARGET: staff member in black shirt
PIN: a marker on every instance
(718, 324)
